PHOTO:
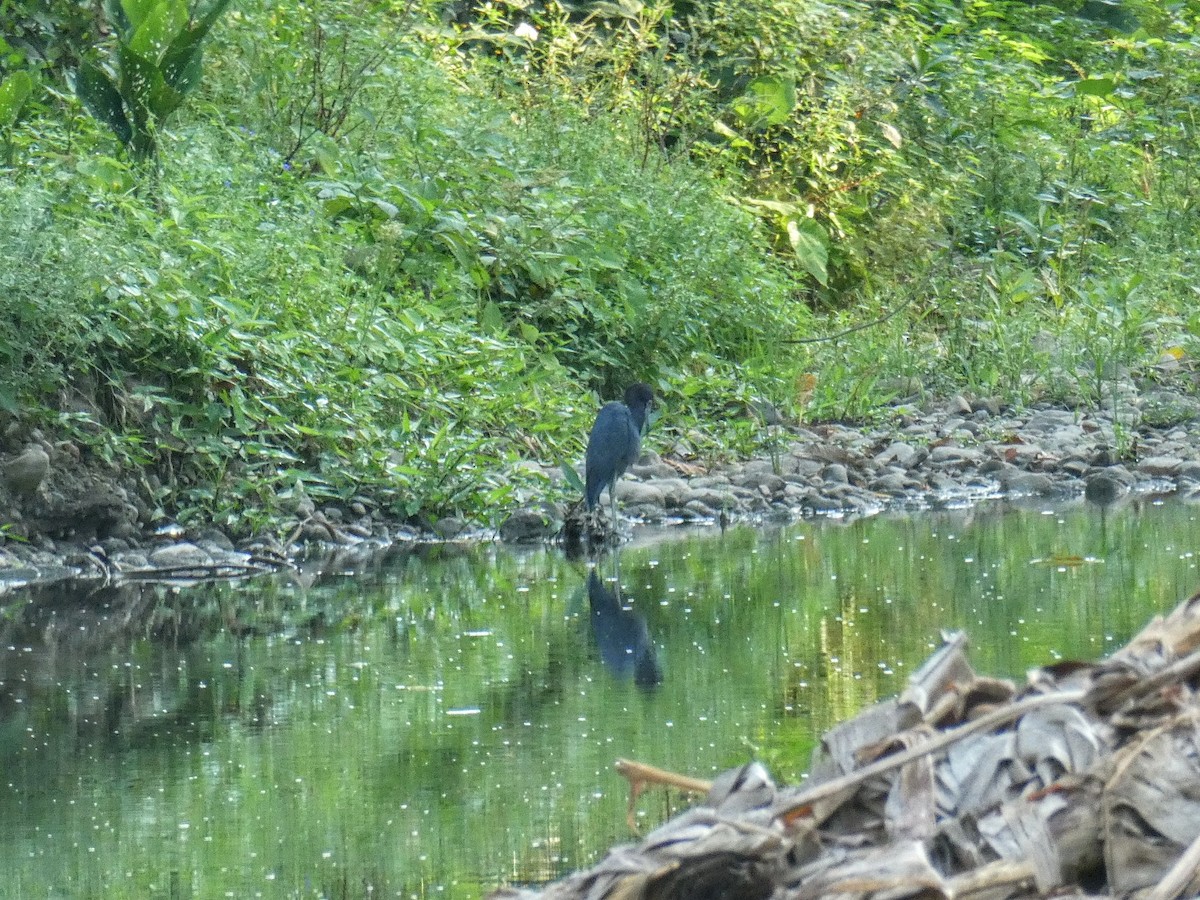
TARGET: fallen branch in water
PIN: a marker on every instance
(641, 775)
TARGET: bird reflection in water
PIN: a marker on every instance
(621, 636)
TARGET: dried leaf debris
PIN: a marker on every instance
(1084, 782)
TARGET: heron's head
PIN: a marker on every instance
(639, 395)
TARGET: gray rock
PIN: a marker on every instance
(217, 538)
(113, 545)
(1019, 482)
(950, 455)
(942, 482)
(179, 555)
(646, 512)
(653, 469)
(757, 467)
(1160, 466)
(988, 405)
(639, 492)
(835, 473)
(674, 491)
(899, 453)
(126, 530)
(890, 484)
(767, 483)
(959, 406)
(319, 529)
(803, 465)
(995, 467)
(712, 498)
(132, 561)
(1074, 466)
(24, 474)
(822, 503)
(695, 509)
(706, 481)
(449, 527)
(1048, 420)
(530, 524)
(1103, 488)
(219, 552)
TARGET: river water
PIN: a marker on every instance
(436, 721)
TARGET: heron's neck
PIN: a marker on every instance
(639, 416)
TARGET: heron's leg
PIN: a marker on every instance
(612, 497)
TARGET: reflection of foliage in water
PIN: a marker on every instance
(442, 717)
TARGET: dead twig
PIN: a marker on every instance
(1177, 671)
(997, 874)
(794, 806)
(641, 775)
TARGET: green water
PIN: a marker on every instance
(435, 723)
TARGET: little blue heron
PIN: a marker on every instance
(614, 444)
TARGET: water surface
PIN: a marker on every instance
(442, 720)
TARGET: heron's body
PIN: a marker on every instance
(614, 444)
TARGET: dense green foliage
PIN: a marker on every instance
(386, 249)
(158, 62)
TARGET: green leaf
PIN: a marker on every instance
(491, 318)
(105, 172)
(115, 13)
(14, 91)
(782, 207)
(337, 204)
(139, 79)
(892, 134)
(181, 62)
(159, 28)
(99, 94)
(732, 136)
(135, 12)
(390, 210)
(768, 101)
(810, 243)
(184, 78)
(571, 477)
(1096, 87)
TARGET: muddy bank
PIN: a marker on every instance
(63, 515)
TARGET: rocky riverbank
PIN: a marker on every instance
(956, 451)
(64, 516)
